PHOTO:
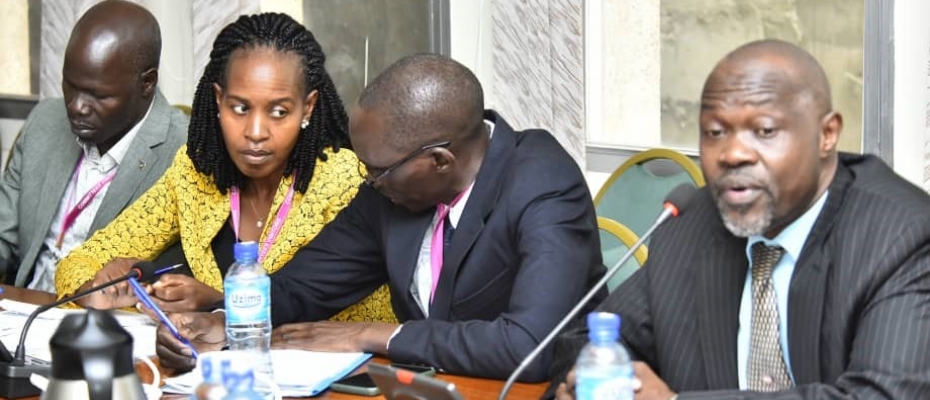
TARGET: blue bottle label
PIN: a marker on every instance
(248, 302)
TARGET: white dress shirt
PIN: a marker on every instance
(423, 275)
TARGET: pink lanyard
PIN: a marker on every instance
(279, 218)
(85, 201)
(437, 243)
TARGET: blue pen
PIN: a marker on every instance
(147, 301)
(168, 269)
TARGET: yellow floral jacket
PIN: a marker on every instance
(185, 204)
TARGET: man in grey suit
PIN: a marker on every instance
(797, 273)
(80, 160)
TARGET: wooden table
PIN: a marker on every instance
(471, 388)
(26, 295)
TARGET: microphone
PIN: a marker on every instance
(18, 368)
(676, 202)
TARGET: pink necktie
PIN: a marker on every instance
(437, 243)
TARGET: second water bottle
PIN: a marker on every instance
(247, 290)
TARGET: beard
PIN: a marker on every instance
(745, 220)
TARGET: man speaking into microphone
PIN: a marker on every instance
(797, 273)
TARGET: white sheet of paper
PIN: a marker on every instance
(43, 327)
(299, 373)
(125, 318)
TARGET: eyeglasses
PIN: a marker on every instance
(372, 179)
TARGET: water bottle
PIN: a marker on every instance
(212, 387)
(241, 386)
(247, 291)
(604, 369)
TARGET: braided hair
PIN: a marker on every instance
(328, 122)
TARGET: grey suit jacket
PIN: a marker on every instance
(858, 303)
(43, 161)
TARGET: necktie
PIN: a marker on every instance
(442, 236)
(767, 369)
(447, 233)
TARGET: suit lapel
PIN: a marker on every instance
(404, 237)
(809, 286)
(55, 181)
(136, 163)
(481, 201)
(721, 277)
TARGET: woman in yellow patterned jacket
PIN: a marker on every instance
(267, 160)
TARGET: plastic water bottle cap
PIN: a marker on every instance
(603, 326)
(245, 251)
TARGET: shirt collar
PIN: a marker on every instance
(792, 238)
(116, 153)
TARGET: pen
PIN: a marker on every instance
(166, 269)
(147, 301)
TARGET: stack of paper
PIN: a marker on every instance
(299, 373)
(141, 327)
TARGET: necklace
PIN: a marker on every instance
(259, 222)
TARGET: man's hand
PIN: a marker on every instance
(181, 293)
(646, 385)
(566, 390)
(651, 387)
(116, 296)
(206, 331)
(334, 336)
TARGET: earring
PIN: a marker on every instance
(217, 115)
(304, 124)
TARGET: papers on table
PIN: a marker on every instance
(299, 373)
(141, 327)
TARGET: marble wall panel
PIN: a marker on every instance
(538, 68)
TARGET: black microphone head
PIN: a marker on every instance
(679, 198)
(144, 271)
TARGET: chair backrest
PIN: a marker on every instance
(616, 239)
(634, 192)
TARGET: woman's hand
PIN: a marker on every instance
(117, 296)
(181, 293)
(205, 331)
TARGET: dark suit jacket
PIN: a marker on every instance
(858, 305)
(525, 250)
(41, 167)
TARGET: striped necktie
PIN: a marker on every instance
(767, 369)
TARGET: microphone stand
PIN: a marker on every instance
(666, 212)
(21, 347)
(14, 373)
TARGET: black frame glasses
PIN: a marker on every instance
(371, 180)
